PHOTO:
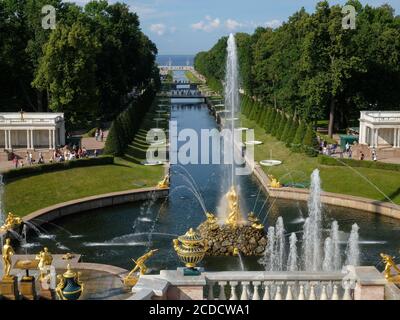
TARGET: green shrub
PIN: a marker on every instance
(299, 137)
(281, 127)
(127, 123)
(292, 132)
(56, 166)
(91, 132)
(330, 161)
(276, 124)
(286, 129)
(310, 142)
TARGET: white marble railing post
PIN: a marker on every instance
(289, 294)
(244, 295)
(266, 295)
(222, 285)
(301, 293)
(324, 295)
(233, 285)
(278, 294)
(335, 295)
(256, 295)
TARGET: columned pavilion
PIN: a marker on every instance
(30, 130)
(380, 129)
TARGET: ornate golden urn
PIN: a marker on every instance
(190, 248)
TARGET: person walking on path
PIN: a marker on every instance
(374, 156)
(101, 135)
(96, 135)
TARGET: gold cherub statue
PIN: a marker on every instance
(7, 253)
(274, 182)
(11, 221)
(45, 259)
(164, 183)
(212, 221)
(131, 279)
(254, 221)
(389, 264)
(234, 216)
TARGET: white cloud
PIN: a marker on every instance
(233, 24)
(273, 23)
(208, 25)
(158, 28)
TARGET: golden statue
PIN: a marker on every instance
(234, 216)
(254, 221)
(164, 183)
(389, 264)
(274, 182)
(131, 279)
(235, 251)
(45, 259)
(212, 221)
(11, 221)
(7, 253)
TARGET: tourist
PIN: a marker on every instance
(96, 135)
(15, 161)
(41, 159)
(95, 152)
(347, 147)
(362, 156)
(350, 153)
(101, 135)
(374, 156)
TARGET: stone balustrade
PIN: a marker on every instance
(357, 283)
(254, 285)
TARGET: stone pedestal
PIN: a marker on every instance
(27, 288)
(370, 284)
(47, 294)
(9, 288)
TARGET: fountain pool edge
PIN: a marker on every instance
(63, 209)
(329, 198)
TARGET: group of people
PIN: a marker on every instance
(59, 155)
(99, 134)
(327, 148)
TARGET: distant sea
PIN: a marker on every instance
(176, 60)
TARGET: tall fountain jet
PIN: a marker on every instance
(232, 96)
(312, 237)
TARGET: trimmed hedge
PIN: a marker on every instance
(127, 123)
(329, 161)
(56, 166)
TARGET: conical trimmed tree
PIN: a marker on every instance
(299, 137)
(292, 132)
(271, 120)
(276, 124)
(282, 126)
(286, 129)
(310, 142)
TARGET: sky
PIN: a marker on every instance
(190, 26)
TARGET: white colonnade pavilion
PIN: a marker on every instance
(31, 130)
(380, 129)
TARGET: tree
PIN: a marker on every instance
(67, 71)
(299, 137)
(310, 142)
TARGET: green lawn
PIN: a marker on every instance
(297, 168)
(28, 194)
(191, 77)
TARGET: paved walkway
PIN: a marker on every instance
(91, 144)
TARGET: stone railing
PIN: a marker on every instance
(253, 285)
(357, 283)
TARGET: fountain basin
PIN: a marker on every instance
(270, 163)
(253, 143)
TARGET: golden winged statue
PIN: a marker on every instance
(131, 279)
